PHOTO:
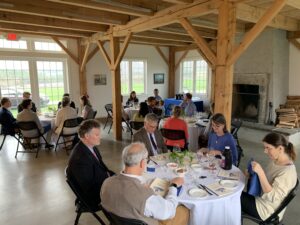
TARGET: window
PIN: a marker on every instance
(47, 46)
(194, 76)
(133, 73)
(21, 44)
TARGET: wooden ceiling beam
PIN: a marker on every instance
(205, 23)
(50, 9)
(75, 58)
(293, 34)
(151, 41)
(108, 6)
(162, 54)
(163, 36)
(161, 18)
(252, 14)
(43, 21)
(43, 30)
(185, 48)
(85, 57)
(295, 43)
(293, 3)
(256, 30)
(179, 1)
(123, 50)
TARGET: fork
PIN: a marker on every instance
(203, 188)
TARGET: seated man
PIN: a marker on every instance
(188, 105)
(26, 95)
(157, 97)
(85, 164)
(127, 196)
(28, 115)
(150, 136)
(151, 104)
(72, 104)
(7, 120)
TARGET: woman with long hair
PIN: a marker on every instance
(87, 111)
(276, 180)
(143, 111)
(132, 99)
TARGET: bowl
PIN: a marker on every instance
(172, 165)
(196, 167)
(181, 172)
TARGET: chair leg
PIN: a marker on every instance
(98, 218)
(77, 217)
(105, 122)
(2, 142)
(37, 150)
(110, 127)
(57, 143)
(17, 150)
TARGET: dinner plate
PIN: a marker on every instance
(197, 193)
(229, 183)
(196, 167)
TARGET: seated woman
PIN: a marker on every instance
(219, 137)
(132, 99)
(175, 123)
(87, 111)
(66, 112)
(143, 111)
(276, 181)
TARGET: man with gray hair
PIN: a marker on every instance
(150, 136)
(126, 195)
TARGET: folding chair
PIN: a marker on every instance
(117, 220)
(30, 138)
(135, 125)
(81, 204)
(68, 131)
(95, 113)
(16, 135)
(109, 110)
(174, 135)
(274, 218)
(235, 126)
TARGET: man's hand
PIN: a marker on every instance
(178, 181)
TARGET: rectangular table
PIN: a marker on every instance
(173, 101)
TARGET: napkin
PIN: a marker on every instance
(253, 186)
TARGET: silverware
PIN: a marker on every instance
(204, 188)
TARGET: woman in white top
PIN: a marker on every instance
(276, 180)
(87, 111)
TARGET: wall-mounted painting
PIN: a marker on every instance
(159, 78)
(100, 79)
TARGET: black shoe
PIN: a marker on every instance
(49, 146)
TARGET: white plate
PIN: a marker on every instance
(196, 167)
(197, 193)
(229, 183)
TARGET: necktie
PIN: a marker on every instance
(94, 153)
(153, 144)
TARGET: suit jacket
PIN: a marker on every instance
(143, 137)
(88, 172)
(7, 121)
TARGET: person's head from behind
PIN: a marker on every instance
(5, 102)
(277, 147)
(155, 92)
(84, 100)
(89, 132)
(218, 123)
(66, 95)
(144, 110)
(188, 97)
(151, 101)
(176, 111)
(26, 95)
(161, 103)
(132, 95)
(134, 157)
(150, 123)
(26, 104)
(65, 101)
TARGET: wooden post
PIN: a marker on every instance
(82, 71)
(171, 91)
(224, 72)
(116, 88)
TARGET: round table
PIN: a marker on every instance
(131, 111)
(212, 209)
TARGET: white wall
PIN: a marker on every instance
(102, 94)
(294, 66)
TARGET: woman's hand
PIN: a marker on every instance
(256, 167)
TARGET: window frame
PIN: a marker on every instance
(208, 75)
(130, 75)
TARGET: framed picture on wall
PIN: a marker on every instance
(100, 79)
(159, 78)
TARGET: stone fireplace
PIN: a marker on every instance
(250, 95)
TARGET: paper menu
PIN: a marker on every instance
(219, 190)
(160, 186)
(229, 174)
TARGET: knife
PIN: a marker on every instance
(203, 188)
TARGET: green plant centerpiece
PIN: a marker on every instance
(182, 158)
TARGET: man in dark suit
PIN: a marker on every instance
(150, 136)
(86, 167)
(7, 120)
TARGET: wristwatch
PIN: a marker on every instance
(173, 185)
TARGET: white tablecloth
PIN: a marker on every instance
(209, 210)
(130, 112)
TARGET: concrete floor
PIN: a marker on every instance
(33, 191)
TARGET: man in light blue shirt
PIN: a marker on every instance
(188, 105)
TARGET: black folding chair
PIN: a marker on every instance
(174, 135)
(95, 113)
(16, 135)
(235, 126)
(81, 204)
(30, 139)
(274, 218)
(135, 125)
(68, 133)
(117, 220)
(109, 111)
